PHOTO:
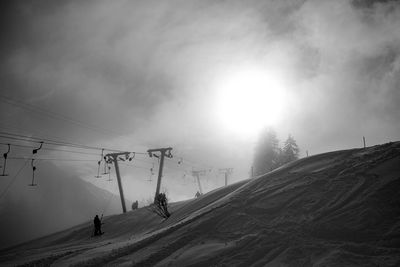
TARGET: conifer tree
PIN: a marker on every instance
(290, 151)
(266, 156)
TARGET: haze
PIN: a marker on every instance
(134, 75)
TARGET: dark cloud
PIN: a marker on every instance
(84, 61)
(148, 70)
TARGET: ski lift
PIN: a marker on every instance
(33, 174)
(106, 162)
(184, 178)
(5, 160)
(109, 174)
(37, 149)
(98, 169)
(130, 156)
(98, 164)
(151, 173)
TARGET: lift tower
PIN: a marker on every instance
(164, 152)
(227, 172)
(197, 175)
(114, 157)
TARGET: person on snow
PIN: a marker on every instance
(135, 205)
(97, 225)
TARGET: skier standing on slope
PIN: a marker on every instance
(97, 225)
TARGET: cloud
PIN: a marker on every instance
(352, 90)
(148, 71)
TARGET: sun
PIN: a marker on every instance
(249, 100)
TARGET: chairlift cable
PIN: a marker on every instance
(49, 142)
(56, 116)
(50, 159)
(32, 139)
(51, 149)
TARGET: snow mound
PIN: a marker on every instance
(335, 209)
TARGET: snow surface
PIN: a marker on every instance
(335, 209)
(61, 200)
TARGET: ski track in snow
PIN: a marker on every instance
(335, 209)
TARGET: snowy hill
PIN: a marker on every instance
(335, 209)
(59, 201)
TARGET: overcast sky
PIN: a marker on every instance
(143, 74)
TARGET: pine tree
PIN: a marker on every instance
(266, 156)
(290, 151)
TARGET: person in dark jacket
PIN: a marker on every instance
(135, 205)
(97, 225)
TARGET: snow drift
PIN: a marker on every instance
(335, 209)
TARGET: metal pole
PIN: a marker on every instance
(121, 191)
(5, 160)
(226, 171)
(198, 181)
(4, 165)
(160, 169)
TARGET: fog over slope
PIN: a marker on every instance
(59, 201)
(335, 209)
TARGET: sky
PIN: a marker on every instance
(202, 77)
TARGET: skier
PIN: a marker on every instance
(97, 225)
(197, 194)
(135, 205)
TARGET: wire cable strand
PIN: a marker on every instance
(38, 140)
(51, 159)
(51, 149)
(56, 116)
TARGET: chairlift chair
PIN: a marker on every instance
(5, 161)
(105, 166)
(109, 174)
(33, 174)
(99, 163)
(98, 170)
(37, 149)
(151, 173)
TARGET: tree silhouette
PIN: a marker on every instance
(290, 151)
(266, 156)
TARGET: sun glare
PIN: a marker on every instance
(249, 101)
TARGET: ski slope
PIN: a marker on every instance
(335, 209)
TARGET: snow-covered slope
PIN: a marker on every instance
(60, 200)
(336, 209)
